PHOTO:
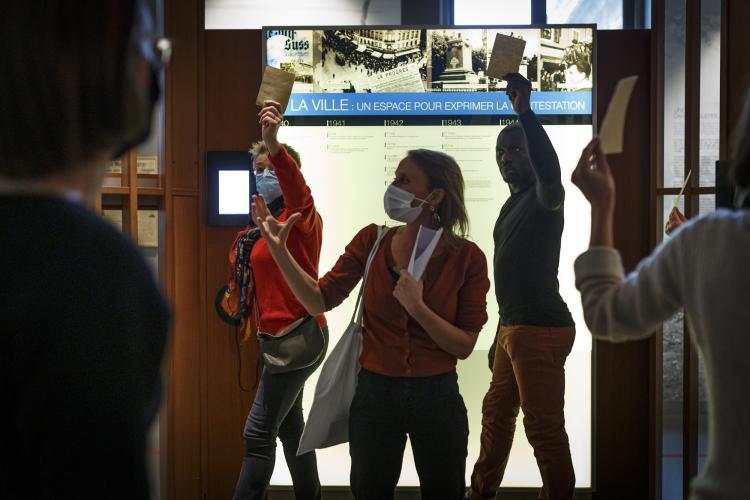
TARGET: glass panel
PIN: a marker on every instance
(606, 14)
(672, 367)
(672, 447)
(488, 13)
(710, 90)
(254, 14)
(674, 94)
(706, 204)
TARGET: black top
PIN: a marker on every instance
(527, 241)
(83, 329)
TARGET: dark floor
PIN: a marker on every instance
(285, 493)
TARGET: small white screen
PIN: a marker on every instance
(234, 192)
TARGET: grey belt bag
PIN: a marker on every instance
(298, 348)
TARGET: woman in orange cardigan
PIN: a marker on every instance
(413, 332)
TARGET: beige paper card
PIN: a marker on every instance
(148, 228)
(114, 217)
(148, 164)
(113, 167)
(506, 56)
(276, 86)
(613, 126)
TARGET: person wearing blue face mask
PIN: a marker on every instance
(266, 181)
(267, 184)
(276, 411)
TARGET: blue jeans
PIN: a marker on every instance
(431, 412)
(277, 412)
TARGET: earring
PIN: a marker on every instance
(435, 216)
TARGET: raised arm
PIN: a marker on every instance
(615, 307)
(297, 195)
(542, 154)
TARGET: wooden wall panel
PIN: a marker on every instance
(624, 438)
(182, 440)
(233, 71)
(184, 24)
(232, 77)
(185, 410)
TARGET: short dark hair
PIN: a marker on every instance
(513, 127)
(63, 79)
(740, 169)
(443, 172)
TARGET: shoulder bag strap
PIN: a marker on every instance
(359, 308)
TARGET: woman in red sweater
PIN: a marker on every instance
(414, 331)
(277, 408)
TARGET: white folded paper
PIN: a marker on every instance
(427, 240)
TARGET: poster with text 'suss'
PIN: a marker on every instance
(362, 98)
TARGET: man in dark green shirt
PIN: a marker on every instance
(536, 330)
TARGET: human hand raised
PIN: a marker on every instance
(676, 219)
(593, 177)
(275, 232)
(519, 92)
(270, 121)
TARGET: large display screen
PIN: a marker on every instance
(363, 97)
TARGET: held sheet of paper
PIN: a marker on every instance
(427, 240)
(348, 169)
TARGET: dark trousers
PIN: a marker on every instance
(431, 412)
(277, 412)
(528, 373)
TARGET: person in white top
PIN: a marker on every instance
(703, 267)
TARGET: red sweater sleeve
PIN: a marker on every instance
(297, 195)
(471, 310)
(338, 283)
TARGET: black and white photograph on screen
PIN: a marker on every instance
(370, 60)
(554, 59)
(559, 59)
(458, 60)
(292, 51)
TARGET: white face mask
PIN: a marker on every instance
(397, 204)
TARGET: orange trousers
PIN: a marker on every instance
(528, 373)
